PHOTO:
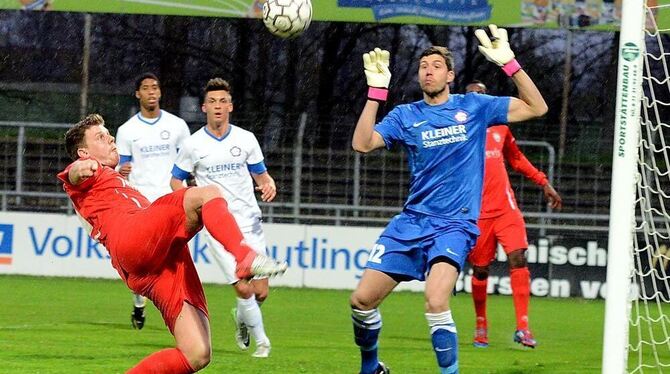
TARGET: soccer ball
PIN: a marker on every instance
(287, 18)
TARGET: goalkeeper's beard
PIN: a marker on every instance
(435, 93)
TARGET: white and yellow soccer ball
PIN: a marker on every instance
(287, 18)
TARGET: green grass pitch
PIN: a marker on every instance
(67, 325)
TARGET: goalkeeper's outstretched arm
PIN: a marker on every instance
(530, 104)
(378, 76)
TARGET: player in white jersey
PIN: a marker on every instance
(229, 157)
(148, 144)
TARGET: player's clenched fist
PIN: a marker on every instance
(82, 170)
(377, 73)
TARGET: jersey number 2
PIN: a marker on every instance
(376, 253)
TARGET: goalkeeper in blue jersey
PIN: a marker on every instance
(444, 135)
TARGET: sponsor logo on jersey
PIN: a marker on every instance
(235, 151)
(225, 167)
(443, 136)
(227, 170)
(6, 240)
(155, 150)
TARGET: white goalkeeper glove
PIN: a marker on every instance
(498, 50)
(377, 73)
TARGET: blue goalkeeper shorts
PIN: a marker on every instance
(412, 242)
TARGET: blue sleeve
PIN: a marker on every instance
(495, 108)
(390, 128)
(492, 110)
(498, 109)
(258, 168)
(179, 174)
(124, 158)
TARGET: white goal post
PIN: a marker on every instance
(637, 309)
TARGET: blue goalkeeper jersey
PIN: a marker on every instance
(446, 147)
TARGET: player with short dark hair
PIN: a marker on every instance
(229, 157)
(147, 243)
(501, 221)
(444, 136)
(148, 143)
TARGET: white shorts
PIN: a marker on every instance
(253, 236)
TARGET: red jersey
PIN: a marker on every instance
(497, 195)
(100, 199)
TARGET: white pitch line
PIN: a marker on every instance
(188, 6)
(239, 2)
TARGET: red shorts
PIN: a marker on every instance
(508, 229)
(149, 249)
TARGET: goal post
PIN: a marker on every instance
(637, 320)
(622, 202)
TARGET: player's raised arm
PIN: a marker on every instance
(497, 50)
(82, 170)
(378, 76)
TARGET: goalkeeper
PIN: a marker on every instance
(444, 135)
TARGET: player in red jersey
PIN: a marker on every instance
(147, 242)
(501, 222)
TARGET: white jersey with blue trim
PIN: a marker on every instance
(445, 145)
(226, 162)
(151, 145)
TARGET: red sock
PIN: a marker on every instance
(168, 361)
(520, 279)
(479, 288)
(223, 227)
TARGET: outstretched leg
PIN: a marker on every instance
(206, 205)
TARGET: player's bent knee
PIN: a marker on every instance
(198, 355)
(243, 290)
(480, 272)
(517, 259)
(262, 295)
(357, 301)
(436, 304)
(198, 196)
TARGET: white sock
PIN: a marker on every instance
(139, 301)
(250, 313)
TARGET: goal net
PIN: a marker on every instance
(637, 317)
